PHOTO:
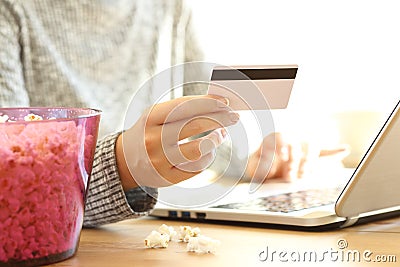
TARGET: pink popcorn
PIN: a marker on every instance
(44, 170)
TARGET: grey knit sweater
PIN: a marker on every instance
(88, 53)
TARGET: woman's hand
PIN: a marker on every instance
(154, 152)
(278, 158)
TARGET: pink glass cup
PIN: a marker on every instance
(45, 168)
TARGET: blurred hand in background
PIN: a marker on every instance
(279, 157)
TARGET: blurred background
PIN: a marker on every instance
(348, 54)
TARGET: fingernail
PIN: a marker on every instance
(223, 132)
(234, 116)
(223, 102)
(284, 153)
(222, 135)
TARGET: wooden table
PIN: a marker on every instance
(122, 244)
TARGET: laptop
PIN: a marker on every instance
(369, 192)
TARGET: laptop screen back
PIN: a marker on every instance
(375, 184)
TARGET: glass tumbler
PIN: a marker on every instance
(46, 157)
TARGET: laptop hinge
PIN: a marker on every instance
(349, 222)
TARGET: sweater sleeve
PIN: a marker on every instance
(106, 200)
(12, 86)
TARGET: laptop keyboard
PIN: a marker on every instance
(289, 202)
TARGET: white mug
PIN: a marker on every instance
(358, 129)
